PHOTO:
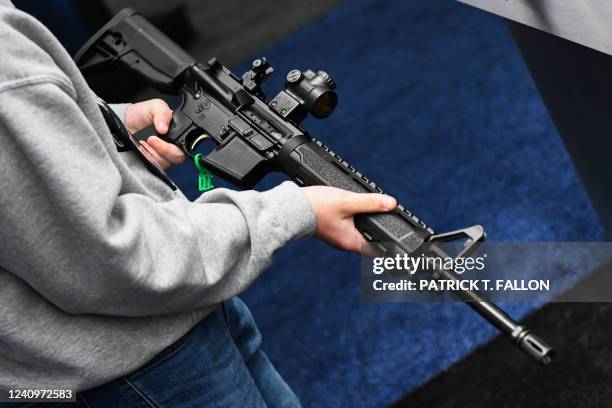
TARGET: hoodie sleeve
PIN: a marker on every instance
(74, 233)
(120, 110)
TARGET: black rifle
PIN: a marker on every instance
(254, 137)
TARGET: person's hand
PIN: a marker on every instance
(154, 112)
(335, 210)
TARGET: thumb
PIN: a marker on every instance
(162, 115)
(358, 203)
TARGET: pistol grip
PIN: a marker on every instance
(181, 132)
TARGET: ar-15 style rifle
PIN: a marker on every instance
(254, 136)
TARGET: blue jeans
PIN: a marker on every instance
(219, 363)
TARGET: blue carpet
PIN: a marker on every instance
(438, 108)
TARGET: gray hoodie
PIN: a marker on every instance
(101, 264)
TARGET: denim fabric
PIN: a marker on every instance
(217, 364)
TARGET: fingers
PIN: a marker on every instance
(370, 250)
(358, 203)
(357, 242)
(335, 209)
(163, 163)
(161, 115)
(169, 152)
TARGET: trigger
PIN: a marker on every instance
(198, 140)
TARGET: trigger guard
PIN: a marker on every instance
(196, 142)
(193, 140)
